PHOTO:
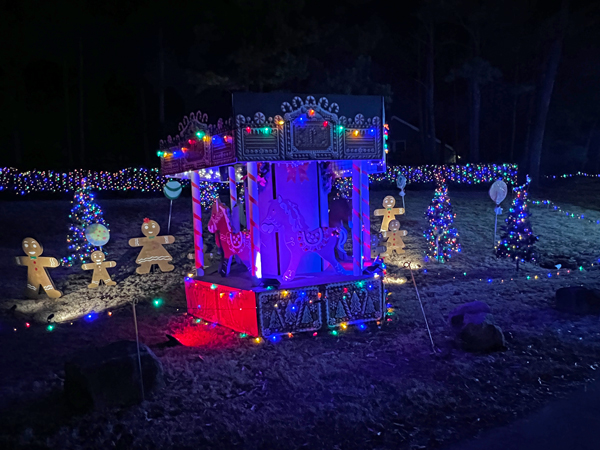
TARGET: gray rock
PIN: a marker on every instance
(482, 337)
(577, 300)
(109, 376)
(475, 328)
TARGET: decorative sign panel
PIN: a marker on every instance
(289, 311)
(353, 302)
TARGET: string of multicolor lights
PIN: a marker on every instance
(555, 207)
(571, 175)
(460, 174)
(130, 179)
(150, 180)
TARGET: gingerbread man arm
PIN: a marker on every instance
(398, 211)
(21, 260)
(167, 239)
(379, 212)
(137, 242)
(110, 264)
(403, 232)
(48, 261)
(89, 266)
(384, 234)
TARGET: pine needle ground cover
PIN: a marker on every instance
(361, 389)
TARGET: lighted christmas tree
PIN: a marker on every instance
(517, 241)
(442, 237)
(84, 212)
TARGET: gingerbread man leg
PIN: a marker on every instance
(144, 267)
(165, 266)
(51, 292)
(32, 290)
(110, 282)
(94, 284)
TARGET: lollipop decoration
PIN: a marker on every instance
(172, 191)
(98, 235)
(498, 192)
(401, 183)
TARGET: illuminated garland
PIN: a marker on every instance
(549, 203)
(150, 180)
(571, 175)
(130, 179)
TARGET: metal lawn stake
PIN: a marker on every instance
(498, 192)
(409, 266)
(137, 341)
(172, 190)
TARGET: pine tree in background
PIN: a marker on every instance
(517, 241)
(84, 212)
(442, 238)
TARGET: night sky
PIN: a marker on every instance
(80, 82)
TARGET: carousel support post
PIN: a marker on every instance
(235, 217)
(253, 219)
(365, 212)
(197, 213)
(357, 248)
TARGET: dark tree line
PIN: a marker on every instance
(96, 84)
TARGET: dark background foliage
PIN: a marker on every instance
(96, 84)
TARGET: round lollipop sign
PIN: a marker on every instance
(172, 189)
(498, 192)
(97, 234)
(401, 183)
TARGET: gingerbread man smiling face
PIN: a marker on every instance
(150, 228)
(32, 247)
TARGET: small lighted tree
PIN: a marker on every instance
(84, 212)
(442, 237)
(517, 241)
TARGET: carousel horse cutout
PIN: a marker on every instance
(283, 216)
(232, 244)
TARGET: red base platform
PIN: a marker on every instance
(308, 303)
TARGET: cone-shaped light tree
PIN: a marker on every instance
(517, 241)
(442, 237)
(84, 212)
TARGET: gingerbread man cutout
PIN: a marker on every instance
(394, 242)
(37, 275)
(153, 251)
(99, 266)
(389, 213)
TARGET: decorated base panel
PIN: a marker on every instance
(295, 308)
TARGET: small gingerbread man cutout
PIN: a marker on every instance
(99, 266)
(37, 275)
(152, 251)
(394, 242)
(389, 213)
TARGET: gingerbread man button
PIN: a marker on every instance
(389, 212)
(394, 242)
(152, 251)
(37, 275)
(99, 266)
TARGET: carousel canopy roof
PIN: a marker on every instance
(279, 127)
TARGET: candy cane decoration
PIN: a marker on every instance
(235, 218)
(365, 212)
(252, 213)
(357, 259)
(197, 212)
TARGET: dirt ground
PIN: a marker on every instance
(374, 388)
